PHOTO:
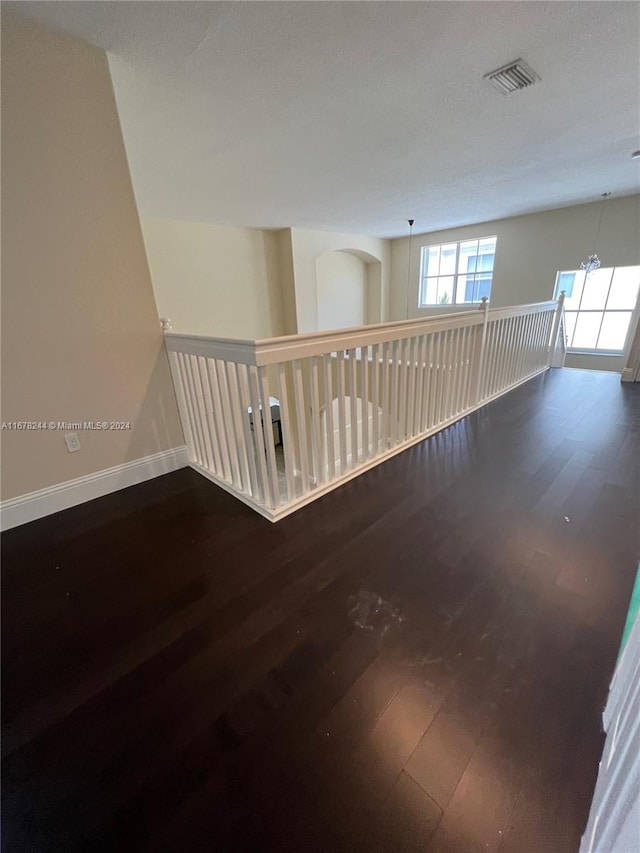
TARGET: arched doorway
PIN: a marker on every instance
(348, 289)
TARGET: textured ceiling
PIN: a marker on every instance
(356, 116)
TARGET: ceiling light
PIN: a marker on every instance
(636, 154)
(511, 77)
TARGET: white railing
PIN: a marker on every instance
(342, 401)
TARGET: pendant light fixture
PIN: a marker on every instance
(593, 262)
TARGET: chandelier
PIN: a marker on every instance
(592, 264)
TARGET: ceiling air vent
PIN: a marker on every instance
(516, 75)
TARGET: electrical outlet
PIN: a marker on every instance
(72, 441)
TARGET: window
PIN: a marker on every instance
(457, 273)
(598, 308)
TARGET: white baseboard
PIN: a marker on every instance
(627, 375)
(20, 510)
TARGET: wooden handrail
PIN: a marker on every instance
(265, 351)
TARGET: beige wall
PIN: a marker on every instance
(530, 250)
(341, 284)
(246, 283)
(307, 246)
(215, 280)
(287, 281)
(80, 332)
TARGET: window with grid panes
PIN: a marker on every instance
(598, 307)
(457, 273)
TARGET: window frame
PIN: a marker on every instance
(616, 353)
(422, 284)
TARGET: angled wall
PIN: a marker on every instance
(216, 280)
(80, 334)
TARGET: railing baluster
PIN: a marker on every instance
(364, 385)
(353, 400)
(203, 414)
(506, 373)
(342, 419)
(447, 374)
(453, 374)
(258, 435)
(181, 395)
(228, 422)
(301, 423)
(538, 323)
(451, 366)
(195, 419)
(214, 389)
(519, 345)
(437, 358)
(417, 384)
(466, 378)
(395, 382)
(528, 360)
(412, 387)
(245, 403)
(524, 348)
(443, 375)
(408, 406)
(515, 374)
(541, 340)
(469, 388)
(444, 355)
(506, 379)
(512, 352)
(214, 442)
(498, 352)
(420, 383)
(504, 349)
(375, 399)
(194, 454)
(478, 390)
(499, 331)
(432, 379)
(386, 396)
(545, 361)
(286, 428)
(319, 469)
(327, 375)
(455, 408)
(540, 343)
(267, 427)
(239, 417)
(501, 353)
(404, 381)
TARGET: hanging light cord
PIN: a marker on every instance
(605, 196)
(593, 262)
(410, 221)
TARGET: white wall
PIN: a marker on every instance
(342, 283)
(529, 252)
(307, 246)
(215, 280)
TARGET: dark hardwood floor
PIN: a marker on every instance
(416, 662)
